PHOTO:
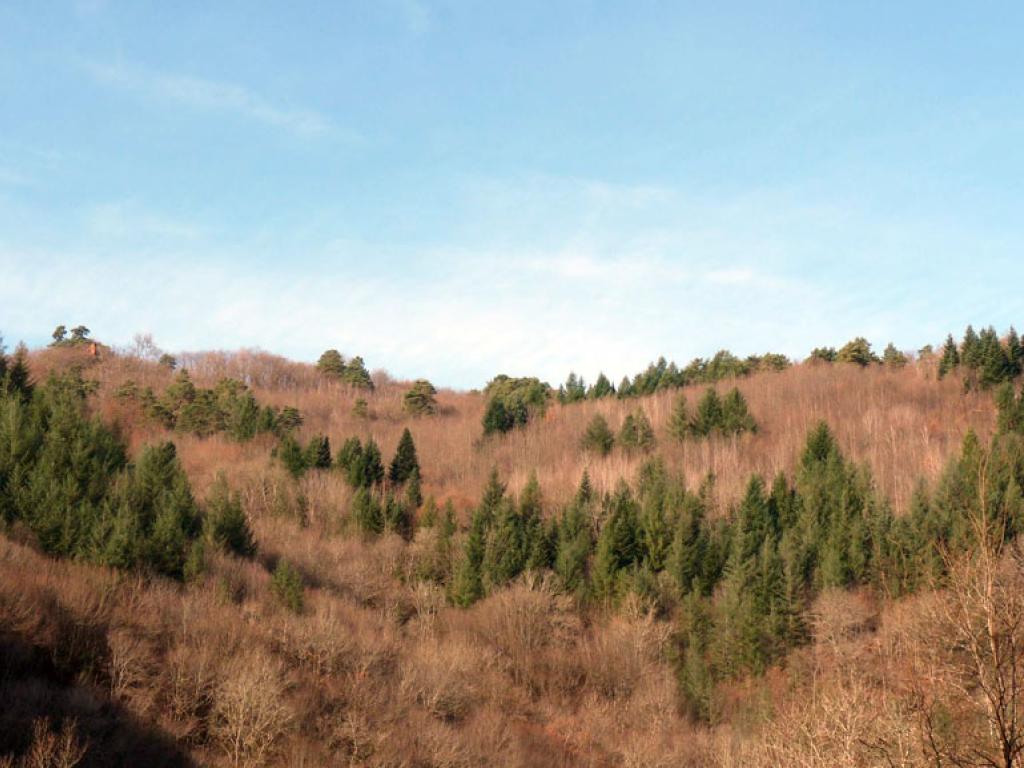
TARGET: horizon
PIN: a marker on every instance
(453, 192)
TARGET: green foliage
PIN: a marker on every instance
(229, 407)
(636, 433)
(65, 476)
(512, 402)
(225, 523)
(318, 453)
(598, 437)
(573, 391)
(893, 358)
(396, 517)
(950, 360)
(420, 400)
(361, 409)
(362, 465)
(618, 545)
(292, 457)
(1010, 408)
(413, 494)
(601, 388)
(367, 512)
(331, 364)
(356, 375)
(823, 355)
(404, 463)
(858, 351)
(287, 586)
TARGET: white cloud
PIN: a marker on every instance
(206, 94)
(127, 220)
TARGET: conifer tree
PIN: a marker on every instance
(686, 559)
(396, 517)
(709, 414)
(367, 512)
(226, 524)
(467, 585)
(1014, 353)
(995, 365)
(857, 351)
(404, 462)
(420, 400)
(356, 374)
(970, 349)
(318, 452)
(598, 437)
(413, 494)
(430, 513)
(601, 388)
(505, 551)
(735, 417)
(679, 420)
(950, 360)
(893, 358)
(331, 364)
(618, 545)
(292, 457)
(637, 434)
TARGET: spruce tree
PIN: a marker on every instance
(637, 434)
(318, 453)
(598, 437)
(1014, 353)
(413, 494)
(396, 517)
(404, 462)
(467, 584)
(367, 512)
(618, 545)
(226, 524)
(601, 388)
(950, 360)
(709, 415)
(292, 457)
(736, 417)
(970, 349)
(679, 421)
(505, 551)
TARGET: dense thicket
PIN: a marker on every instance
(229, 407)
(512, 402)
(66, 477)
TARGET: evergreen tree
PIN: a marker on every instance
(396, 517)
(686, 560)
(505, 551)
(970, 349)
(226, 524)
(356, 375)
(1014, 353)
(367, 512)
(736, 417)
(1010, 409)
(857, 351)
(404, 464)
(17, 380)
(288, 420)
(601, 388)
(618, 546)
(679, 421)
(331, 364)
(413, 494)
(351, 452)
(823, 355)
(318, 453)
(287, 585)
(950, 360)
(995, 364)
(365, 469)
(598, 437)
(292, 457)
(893, 358)
(420, 400)
(637, 434)
(709, 416)
(496, 417)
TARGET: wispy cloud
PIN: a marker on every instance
(206, 94)
(126, 220)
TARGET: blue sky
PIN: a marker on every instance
(458, 189)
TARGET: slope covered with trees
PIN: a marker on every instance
(230, 560)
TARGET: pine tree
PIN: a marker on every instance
(505, 551)
(736, 417)
(598, 437)
(404, 463)
(970, 349)
(467, 585)
(618, 545)
(292, 457)
(1014, 353)
(709, 414)
(679, 421)
(420, 400)
(995, 364)
(857, 351)
(396, 517)
(356, 374)
(413, 494)
(367, 512)
(331, 364)
(318, 453)
(364, 467)
(601, 388)
(287, 585)
(226, 524)
(950, 360)
(893, 358)
(637, 434)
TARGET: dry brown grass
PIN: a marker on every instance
(380, 671)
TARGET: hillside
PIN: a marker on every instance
(340, 633)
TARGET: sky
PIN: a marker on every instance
(454, 190)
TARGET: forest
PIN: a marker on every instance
(237, 559)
